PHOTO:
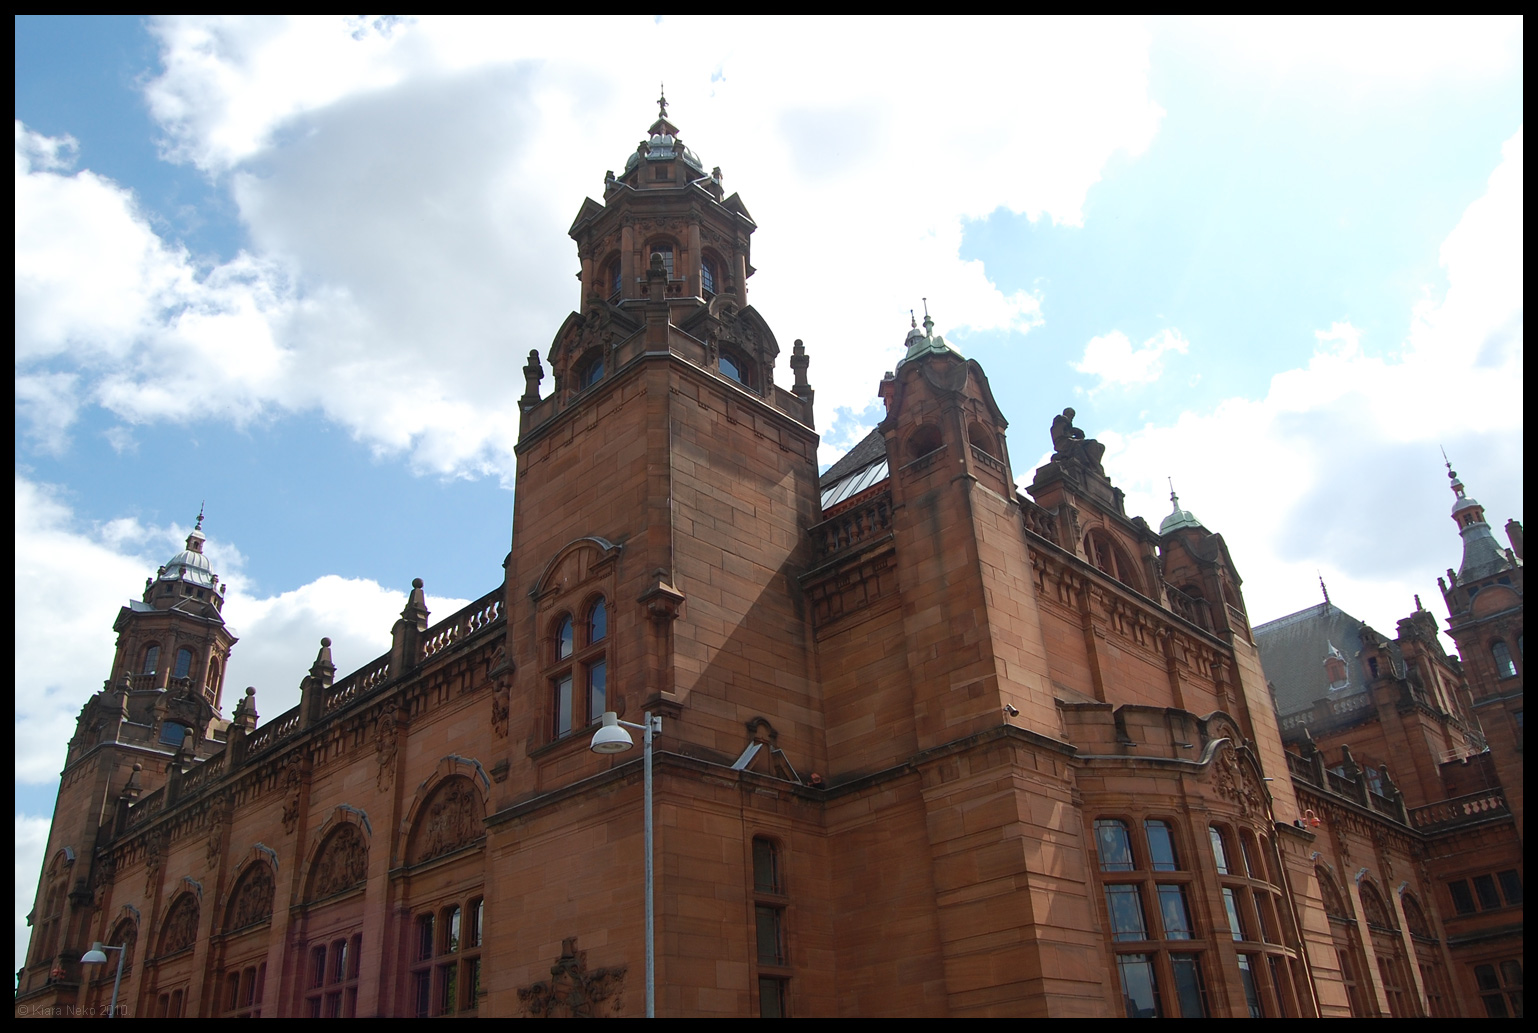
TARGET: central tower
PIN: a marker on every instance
(664, 489)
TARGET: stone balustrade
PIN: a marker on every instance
(479, 614)
(854, 526)
(1461, 810)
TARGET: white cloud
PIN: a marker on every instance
(1385, 53)
(1113, 359)
(406, 190)
(31, 841)
(64, 637)
(1345, 451)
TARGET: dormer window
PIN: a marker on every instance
(735, 369)
(590, 370)
(1335, 671)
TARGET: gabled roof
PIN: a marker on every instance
(1293, 651)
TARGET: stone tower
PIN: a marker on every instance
(156, 716)
(1484, 617)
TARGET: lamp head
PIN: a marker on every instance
(610, 737)
(95, 956)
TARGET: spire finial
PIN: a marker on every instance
(1174, 499)
(929, 324)
(913, 320)
(1323, 589)
(1452, 475)
(662, 102)
(201, 506)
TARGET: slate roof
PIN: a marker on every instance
(1293, 649)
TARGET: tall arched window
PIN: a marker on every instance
(580, 679)
(707, 276)
(1504, 668)
(183, 663)
(1114, 844)
(151, 659)
(612, 278)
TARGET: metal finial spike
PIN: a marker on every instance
(201, 506)
(662, 101)
(913, 320)
(1173, 497)
(1323, 589)
(929, 324)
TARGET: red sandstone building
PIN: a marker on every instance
(930, 745)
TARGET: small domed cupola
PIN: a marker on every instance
(925, 342)
(1482, 554)
(662, 143)
(191, 570)
(1179, 518)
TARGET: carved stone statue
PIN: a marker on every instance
(1069, 442)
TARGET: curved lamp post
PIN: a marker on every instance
(97, 955)
(611, 737)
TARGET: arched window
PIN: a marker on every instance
(1161, 846)
(982, 440)
(598, 621)
(737, 368)
(1504, 668)
(707, 277)
(213, 675)
(590, 369)
(1114, 845)
(183, 663)
(446, 951)
(924, 440)
(151, 659)
(1104, 553)
(172, 734)
(612, 277)
(1219, 850)
(580, 680)
(563, 638)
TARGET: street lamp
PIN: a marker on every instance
(97, 955)
(611, 737)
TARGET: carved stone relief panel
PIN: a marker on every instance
(343, 863)
(452, 818)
